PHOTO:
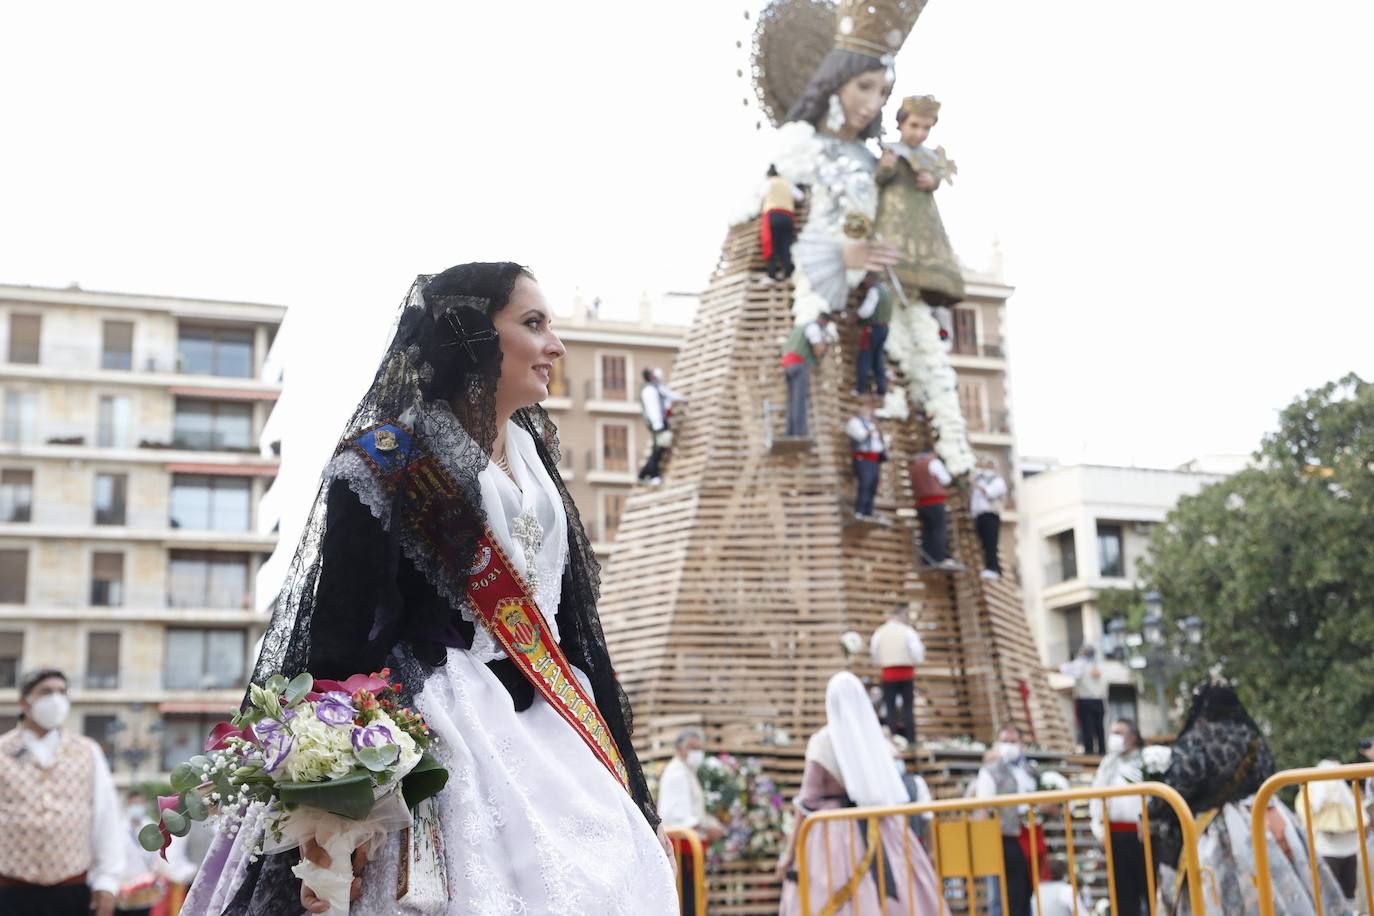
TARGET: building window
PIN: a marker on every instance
(183, 737)
(16, 495)
(1111, 562)
(226, 352)
(102, 661)
(1121, 703)
(213, 425)
(14, 576)
(612, 506)
(204, 579)
(615, 447)
(613, 379)
(111, 495)
(102, 728)
(20, 422)
(1073, 630)
(965, 332)
(107, 579)
(11, 657)
(25, 331)
(117, 345)
(1063, 564)
(113, 428)
(973, 403)
(204, 659)
(205, 503)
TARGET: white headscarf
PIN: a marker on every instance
(862, 754)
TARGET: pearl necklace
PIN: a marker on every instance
(501, 463)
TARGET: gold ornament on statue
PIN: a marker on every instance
(876, 27)
(857, 226)
(920, 106)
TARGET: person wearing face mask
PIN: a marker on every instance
(63, 851)
(1012, 774)
(1121, 826)
(682, 805)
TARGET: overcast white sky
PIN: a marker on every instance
(1182, 189)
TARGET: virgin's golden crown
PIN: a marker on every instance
(876, 28)
(920, 106)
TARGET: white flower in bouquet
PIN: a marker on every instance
(319, 751)
(1052, 781)
(851, 642)
(1156, 760)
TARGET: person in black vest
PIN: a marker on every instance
(929, 478)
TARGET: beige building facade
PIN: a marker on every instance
(130, 476)
(594, 400)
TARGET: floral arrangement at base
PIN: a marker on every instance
(340, 763)
(914, 344)
(749, 807)
(851, 642)
(1053, 781)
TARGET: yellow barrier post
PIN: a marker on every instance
(1259, 829)
(695, 849)
(1364, 847)
(1188, 827)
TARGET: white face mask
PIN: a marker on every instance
(1116, 743)
(1008, 751)
(696, 758)
(50, 711)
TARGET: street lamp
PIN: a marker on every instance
(1192, 629)
(1153, 625)
(1152, 653)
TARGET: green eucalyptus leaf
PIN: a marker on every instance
(377, 759)
(150, 838)
(183, 777)
(276, 683)
(175, 821)
(300, 685)
(194, 803)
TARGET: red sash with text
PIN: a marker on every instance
(503, 604)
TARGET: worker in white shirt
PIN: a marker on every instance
(62, 852)
(682, 805)
(1089, 698)
(1334, 827)
(1121, 827)
(985, 505)
(654, 405)
(897, 649)
(869, 451)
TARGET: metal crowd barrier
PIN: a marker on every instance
(1259, 829)
(971, 848)
(689, 854)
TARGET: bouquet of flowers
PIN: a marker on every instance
(340, 763)
(749, 807)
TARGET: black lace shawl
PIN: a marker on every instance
(359, 595)
(1219, 757)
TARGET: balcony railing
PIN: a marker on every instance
(998, 422)
(209, 441)
(93, 358)
(97, 436)
(988, 349)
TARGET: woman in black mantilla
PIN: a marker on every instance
(531, 820)
(1219, 761)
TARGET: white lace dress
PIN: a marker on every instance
(532, 822)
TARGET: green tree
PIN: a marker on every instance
(1278, 561)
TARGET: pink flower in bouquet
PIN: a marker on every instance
(220, 735)
(369, 682)
(276, 743)
(335, 708)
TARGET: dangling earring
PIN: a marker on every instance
(834, 117)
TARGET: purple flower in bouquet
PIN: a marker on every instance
(371, 736)
(335, 708)
(276, 743)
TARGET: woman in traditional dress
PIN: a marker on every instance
(848, 763)
(1219, 761)
(446, 475)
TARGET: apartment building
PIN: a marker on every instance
(1085, 529)
(594, 399)
(130, 477)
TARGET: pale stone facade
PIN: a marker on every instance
(1085, 529)
(130, 475)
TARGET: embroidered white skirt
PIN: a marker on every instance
(532, 822)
